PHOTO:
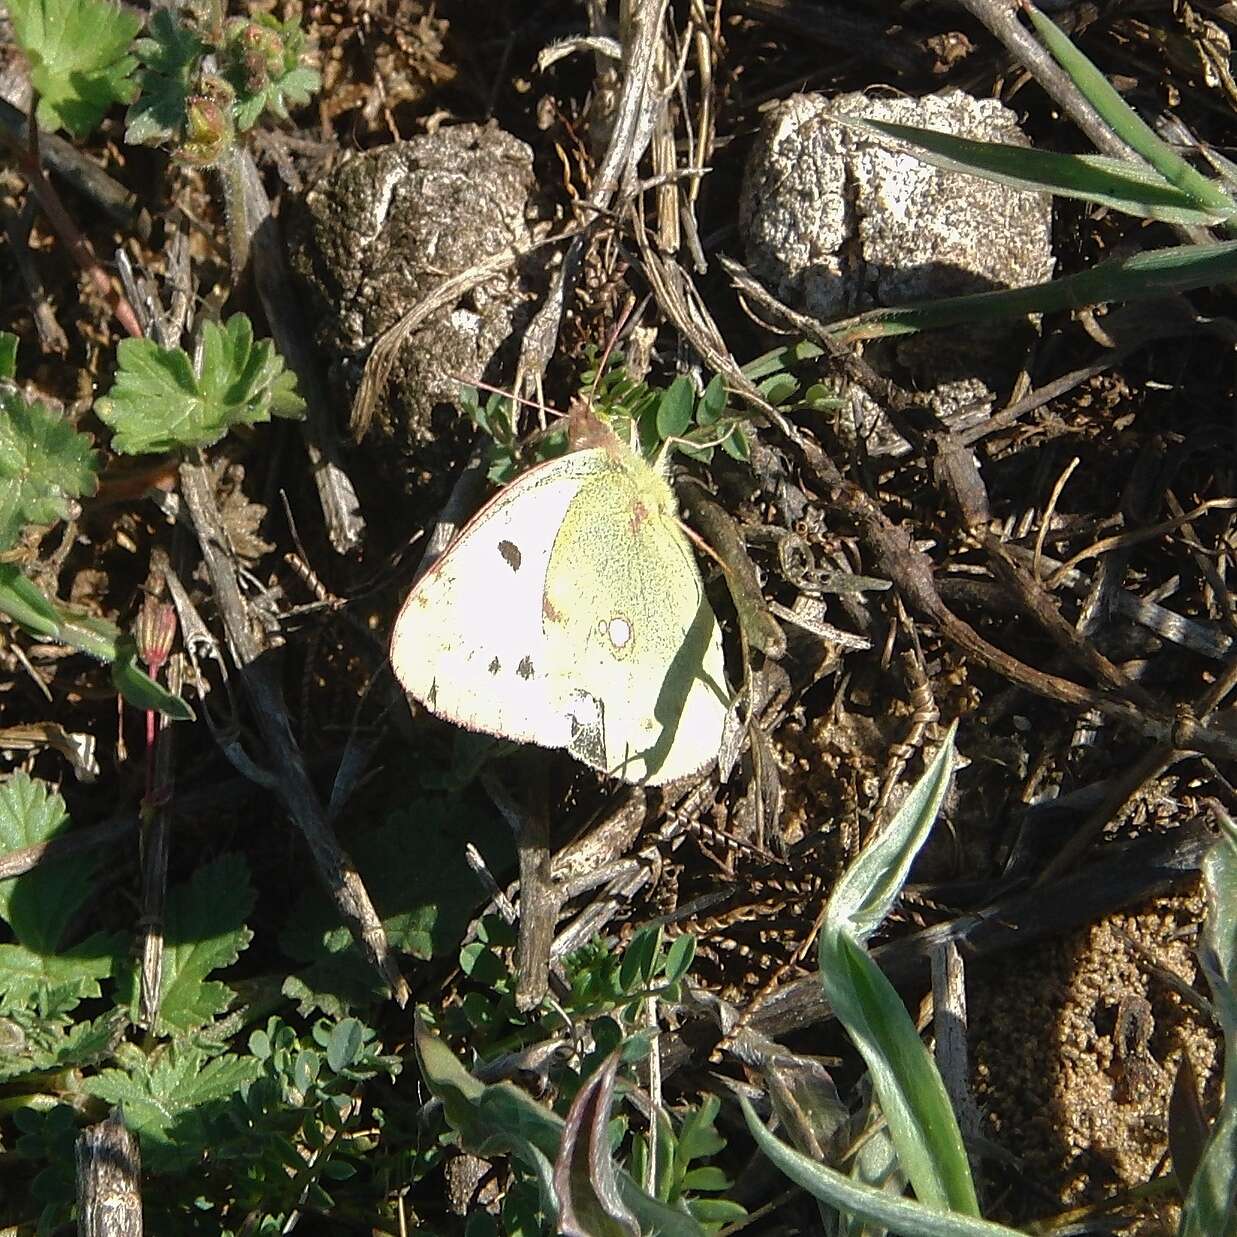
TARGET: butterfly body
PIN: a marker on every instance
(570, 612)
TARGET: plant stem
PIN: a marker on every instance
(232, 176)
(77, 244)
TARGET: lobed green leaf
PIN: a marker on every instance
(159, 402)
(39, 904)
(44, 464)
(169, 55)
(79, 58)
(204, 931)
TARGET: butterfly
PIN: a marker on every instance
(570, 612)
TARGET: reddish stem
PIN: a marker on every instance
(77, 244)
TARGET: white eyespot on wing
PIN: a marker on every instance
(470, 640)
(618, 631)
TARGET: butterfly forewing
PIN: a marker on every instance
(470, 641)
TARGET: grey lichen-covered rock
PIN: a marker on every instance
(835, 221)
(379, 231)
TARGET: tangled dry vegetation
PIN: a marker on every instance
(1054, 577)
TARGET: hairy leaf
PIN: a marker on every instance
(32, 1040)
(169, 56)
(205, 931)
(168, 1096)
(261, 58)
(79, 61)
(159, 402)
(44, 462)
(27, 975)
(39, 904)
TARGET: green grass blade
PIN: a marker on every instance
(906, 1082)
(1211, 1203)
(1127, 187)
(1158, 272)
(898, 1215)
(866, 891)
(1125, 122)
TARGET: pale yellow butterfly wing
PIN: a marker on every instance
(648, 690)
(470, 641)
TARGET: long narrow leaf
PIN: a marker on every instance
(25, 603)
(866, 891)
(1211, 1203)
(1125, 122)
(905, 1079)
(1158, 272)
(899, 1215)
(1127, 187)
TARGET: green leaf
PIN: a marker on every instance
(675, 408)
(140, 690)
(44, 462)
(39, 904)
(585, 1175)
(73, 975)
(904, 1077)
(415, 870)
(161, 1094)
(8, 354)
(169, 56)
(866, 891)
(205, 931)
(261, 58)
(679, 958)
(1129, 187)
(34, 1041)
(79, 61)
(344, 1044)
(1211, 1202)
(736, 445)
(158, 402)
(639, 959)
(1154, 273)
(898, 1215)
(712, 402)
(24, 602)
(1125, 122)
(498, 1118)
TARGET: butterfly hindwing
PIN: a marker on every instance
(623, 587)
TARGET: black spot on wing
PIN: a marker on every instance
(588, 729)
(510, 554)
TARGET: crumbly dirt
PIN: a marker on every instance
(1076, 1045)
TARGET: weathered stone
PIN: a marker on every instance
(382, 229)
(837, 221)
